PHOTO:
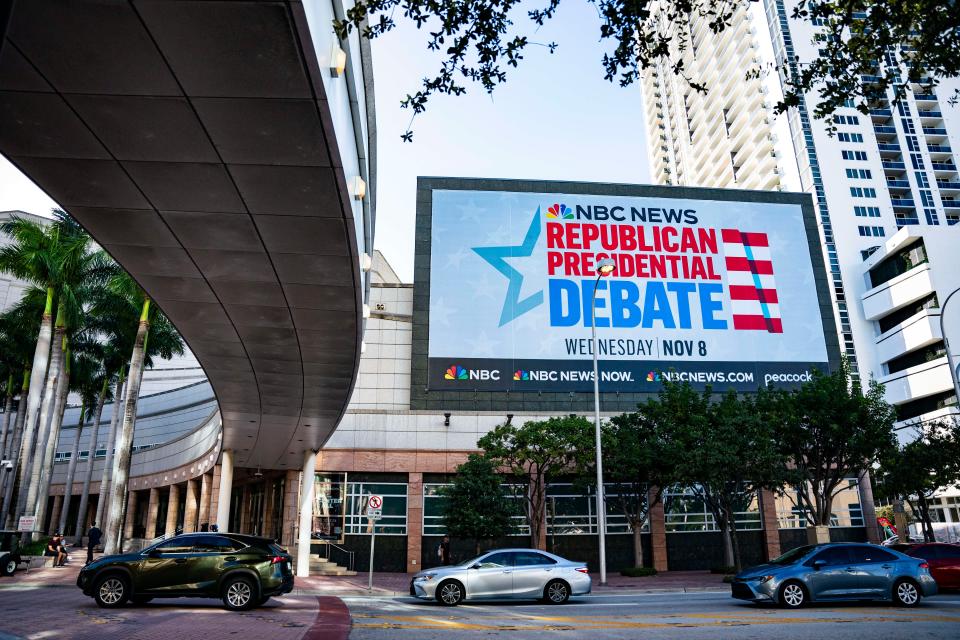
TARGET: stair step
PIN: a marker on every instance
(334, 572)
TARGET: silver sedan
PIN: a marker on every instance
(503, 574)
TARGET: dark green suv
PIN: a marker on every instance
(245, 571)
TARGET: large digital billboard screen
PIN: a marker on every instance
(710, 291)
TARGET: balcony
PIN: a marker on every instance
(925, 97)
(923, 113)
(916, 382)
(947, 185)
(934, 131)
(914, 333)
(881, 114)
(893, 166)
(939, 148)
(885, 130)
(898, 184)
(942, 166)
(950, 203)
(907, 287)
(902, 202)
(886, 147)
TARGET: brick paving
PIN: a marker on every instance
(45, 603)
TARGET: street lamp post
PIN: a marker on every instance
(604, 268)
(946, 346)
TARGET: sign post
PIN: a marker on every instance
(27, 523)
(374, 513)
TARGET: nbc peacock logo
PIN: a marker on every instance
(653, 376)
(456, 372)
(560, 212)
(520, 374)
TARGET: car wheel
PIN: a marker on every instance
(906, 593)
(264, 600)
(556, 592)
(111, 591)
(239, 594)
(141, 599)
(9, 567)
(793, 595)
(450, 593)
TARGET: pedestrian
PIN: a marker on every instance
(56, 550)
(93, 540)
(214, 527)
(204, 527)
(443, 551)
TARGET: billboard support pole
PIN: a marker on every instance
(604, 267)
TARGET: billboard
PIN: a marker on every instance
(715, 292)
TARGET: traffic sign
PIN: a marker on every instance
(374, 514)
(375, 502)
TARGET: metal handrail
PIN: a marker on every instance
(350, 554)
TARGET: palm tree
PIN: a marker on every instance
(165, 342)
(20, 331)
(85, 380)
(109, 361)
(36, 255)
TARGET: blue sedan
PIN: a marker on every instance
(836, 572)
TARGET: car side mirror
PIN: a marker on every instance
(819, 564)
(476, 566)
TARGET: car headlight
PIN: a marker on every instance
(763, 579)
(427, 577)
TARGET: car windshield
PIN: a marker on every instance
(793, 556)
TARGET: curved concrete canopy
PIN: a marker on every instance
(193, 140)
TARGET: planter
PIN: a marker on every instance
(819, 534)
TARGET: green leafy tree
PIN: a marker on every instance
(477, 507)
(831, 430)
(639, 461)
(727, 450)
(537, 453)
(480, 39)
(916, 470)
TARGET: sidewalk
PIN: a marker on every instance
(398, 584)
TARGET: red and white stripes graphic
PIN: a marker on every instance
(753, 293)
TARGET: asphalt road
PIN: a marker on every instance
(684, 616)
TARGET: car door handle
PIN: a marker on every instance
(507, 571)
(180, 560)
(886, 566)
(231, 558)
(851, 570)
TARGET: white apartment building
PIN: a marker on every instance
(884, 183)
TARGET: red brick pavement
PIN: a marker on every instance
(45, 603)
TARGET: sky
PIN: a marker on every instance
(555, 118)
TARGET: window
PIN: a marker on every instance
(176, 545)
(853, 155)
(685, 511)
(902, 261)
(866, 212)
(847, 511)
(394, 519)
(850, 137)
(867, 232)
(846, 119)
(531, 559)
(862, 174)
(833, 556)
(863, 192)
(216, 544)
(931, 552)
(864, 554)
(502, 559)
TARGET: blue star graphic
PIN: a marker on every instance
(513, 306)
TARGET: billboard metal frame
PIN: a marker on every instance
(422, 398)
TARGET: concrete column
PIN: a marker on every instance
(226, 487)
(152, 507)
(54, 520)
(414, 521)
(245, 509)
(130, 517)
(658, 536)
(214, 493)
(268, 507)
(771, 527)
(173, 505)
(306, 513)
(204, 513)
(191, 507)
(869, 508)
(291, 498)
